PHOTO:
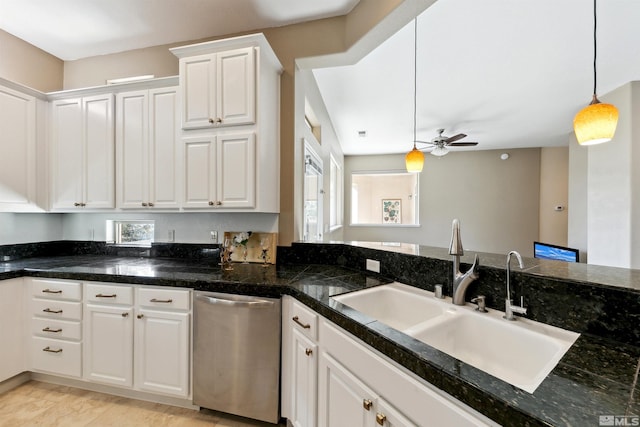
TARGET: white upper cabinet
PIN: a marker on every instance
(218, 89)
(82, 145)
(147, 149)
(18, 139)
(220, 171)
(230, 91)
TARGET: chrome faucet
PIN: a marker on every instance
(461, 281)
(509, 308)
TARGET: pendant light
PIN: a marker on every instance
(414, 160)
(596, 123)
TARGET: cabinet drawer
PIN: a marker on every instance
(56, 289)
(175, 299)
(56, 328)
(304, 320)
(56, 356)
(56, 309)
(109, 294)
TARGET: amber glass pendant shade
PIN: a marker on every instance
(414, 160)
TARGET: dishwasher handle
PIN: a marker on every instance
(229, 302)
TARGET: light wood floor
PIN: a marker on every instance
(41, 404)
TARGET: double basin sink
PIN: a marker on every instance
(522, 353)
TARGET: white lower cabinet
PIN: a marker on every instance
(55, 314)
(345, 401)
(108, 347)
(299, 363)
(141, 342)
(358, 386)
(162, 352)
(12, 333)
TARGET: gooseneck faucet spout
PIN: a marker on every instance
(509, 307)
(461, 281)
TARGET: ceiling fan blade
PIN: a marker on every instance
(455, 137)
(462, 144)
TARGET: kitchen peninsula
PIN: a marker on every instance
(596, 377)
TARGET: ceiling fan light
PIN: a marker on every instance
(596, 123)
(439, 151)
(414, 160)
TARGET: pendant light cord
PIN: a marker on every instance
(415, 76)
(595, 47)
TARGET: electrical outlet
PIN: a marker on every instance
(214, 236)
(171, 236)
(373, 265)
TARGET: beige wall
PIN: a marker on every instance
(23, 63)
(554, 192)
(497, 201)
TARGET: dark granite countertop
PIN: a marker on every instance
(596, 376)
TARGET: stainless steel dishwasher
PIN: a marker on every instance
(236, 356)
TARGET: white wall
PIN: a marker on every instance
(577, 211)
(189, 227)
(29, 228)
(497, 201)
(307, 89)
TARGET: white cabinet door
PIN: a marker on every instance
(12, 330)
(146, 149)
(131, 145)
(83, 153)
(162, 352)
(220, 171)
(99, 153)
(236, 87)
(236, 180)
(200, 163)
(343, 400)
(68, 153)
(18, 147)
(198, 84)
(219, 89)
(164, 174)
(108, 356)
(304, 371)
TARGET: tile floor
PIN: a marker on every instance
(41, 404)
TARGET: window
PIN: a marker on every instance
(131, 233)
(313, 195)
(384, 198)
(335, 194)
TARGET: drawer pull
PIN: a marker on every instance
(49, 350)
(381, 418)
(125, 314)
(366, 404)
(52, 291)
(166, 301)
(48, 310)
(297, 320)
(106, 295)
(308, 351)
(48, 329)
(140, 316)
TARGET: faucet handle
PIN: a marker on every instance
(481, 301)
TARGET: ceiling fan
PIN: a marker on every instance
(441, 142)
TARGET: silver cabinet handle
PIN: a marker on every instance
(166, 301)
(52, 291)
(297, 320)
(55, 331)
(50, 350)
(106, 295)
(48, 310)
